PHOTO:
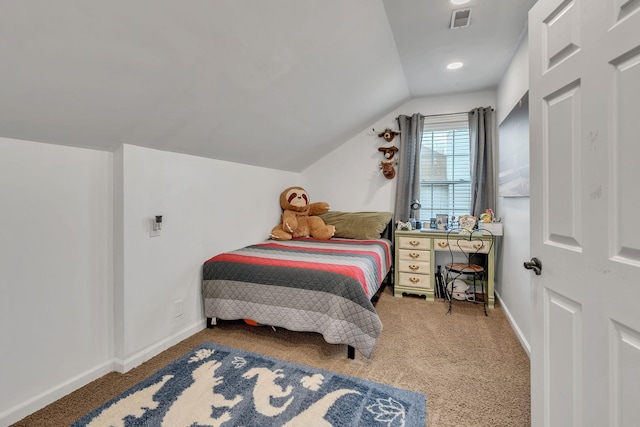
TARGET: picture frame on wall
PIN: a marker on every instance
(513, 165)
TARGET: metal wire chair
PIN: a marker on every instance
(465, 246)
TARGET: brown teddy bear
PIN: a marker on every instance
(298, 217)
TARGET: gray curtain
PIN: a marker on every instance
(408, 187)
(483, 173)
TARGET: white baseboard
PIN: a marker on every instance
(47, 397)
(27, 407)
(157, 348)
(523, 341)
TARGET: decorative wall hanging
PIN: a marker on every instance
(389, 152)
(388, 134)
(388, 170)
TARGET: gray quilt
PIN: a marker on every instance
(302, 285)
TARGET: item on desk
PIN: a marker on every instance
(415, 207)
(405, 226)
(467, 222)
(432, 223)
(494, 228)
(442, 221)
(444, 231)
(487, 216)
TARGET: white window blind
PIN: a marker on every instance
(445, 166)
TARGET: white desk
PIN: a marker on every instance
(415, 262)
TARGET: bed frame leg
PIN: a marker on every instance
(351, 352)
(210, 322)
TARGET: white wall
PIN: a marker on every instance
(208, 206)
(85, 289)
(513, 287)
(55, 272)
(515, 82)
(350, 179)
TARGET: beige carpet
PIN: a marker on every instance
(471, 367)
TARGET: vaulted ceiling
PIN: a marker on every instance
(275, 83)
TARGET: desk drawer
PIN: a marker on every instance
(481, 246)
(413, 255)
(411, 266)
(411, 242)
(414, 280)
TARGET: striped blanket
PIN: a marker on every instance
(302, 285)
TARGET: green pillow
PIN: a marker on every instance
(357, 225)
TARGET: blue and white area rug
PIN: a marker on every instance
(216, 385)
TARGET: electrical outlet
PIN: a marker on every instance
(177, 308)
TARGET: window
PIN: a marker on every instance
(445, 166)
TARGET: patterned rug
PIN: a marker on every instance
(215, 385)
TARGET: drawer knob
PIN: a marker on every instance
(443, 244)
(414, 242)
(414, 267)
(414, 279)
(414, 255)
(477, 245)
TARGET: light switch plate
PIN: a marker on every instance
(152, 232)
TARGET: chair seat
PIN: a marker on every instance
(464, 268)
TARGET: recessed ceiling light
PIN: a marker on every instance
(459, 2)
(455, 65)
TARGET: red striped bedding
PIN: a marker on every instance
(302, 285)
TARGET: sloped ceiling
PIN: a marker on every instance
(275, 83)
(426, 44)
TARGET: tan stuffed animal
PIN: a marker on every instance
(298, 218)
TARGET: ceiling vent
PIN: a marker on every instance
(460, 18)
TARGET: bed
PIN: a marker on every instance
(323, 286)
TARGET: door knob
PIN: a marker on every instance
(534, 265)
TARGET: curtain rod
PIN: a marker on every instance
(439, 115)
(447, 114)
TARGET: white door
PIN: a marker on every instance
(584, 103)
